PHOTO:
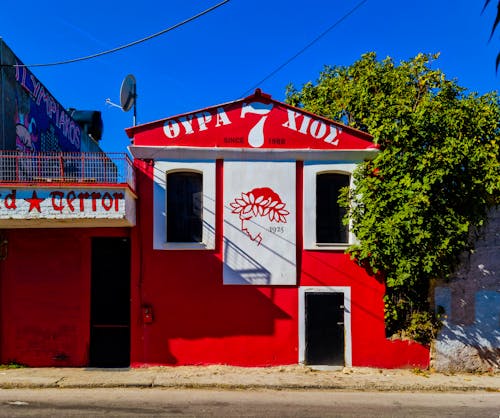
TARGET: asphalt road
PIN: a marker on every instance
(211, 403)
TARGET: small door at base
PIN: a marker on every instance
(324, 328)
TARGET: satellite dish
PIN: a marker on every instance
(128, 94)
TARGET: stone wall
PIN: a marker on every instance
(470, 337)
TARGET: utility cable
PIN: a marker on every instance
(344, 17)
(119, 48)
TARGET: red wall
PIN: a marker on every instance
(335, 268)
(197, 320)
(45, 301)
(45, 296)
(369, 345)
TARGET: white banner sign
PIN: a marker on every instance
(64, 203)
(259, 223)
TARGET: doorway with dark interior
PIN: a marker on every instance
(110, 303)
(324, 329)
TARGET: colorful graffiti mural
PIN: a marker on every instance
(26, 133)
(42, 124)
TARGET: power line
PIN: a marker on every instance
(344, 17)
(119, 48)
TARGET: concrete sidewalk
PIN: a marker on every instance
(227, 377)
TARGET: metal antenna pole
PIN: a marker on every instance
(134, 120)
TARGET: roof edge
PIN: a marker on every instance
(249, 154)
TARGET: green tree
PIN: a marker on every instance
(417, 203)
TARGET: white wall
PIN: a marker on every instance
(470, 337)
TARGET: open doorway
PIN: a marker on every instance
(110, 303)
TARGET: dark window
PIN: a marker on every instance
(184, 207)
(329, 214)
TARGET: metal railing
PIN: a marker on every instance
(66, 167)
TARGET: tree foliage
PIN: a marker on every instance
(437, 174)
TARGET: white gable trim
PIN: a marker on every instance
(248, 154)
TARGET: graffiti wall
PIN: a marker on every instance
(42, 124)
(34, 119)
(47, 207)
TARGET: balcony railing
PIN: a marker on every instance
(63, 167)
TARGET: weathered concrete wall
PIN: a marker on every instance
(470, 337)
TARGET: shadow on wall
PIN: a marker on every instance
(258, 251)
(473, 347)
(243, 268)
(470, 337)
(198, 320)
(370, 348)
(339, 270)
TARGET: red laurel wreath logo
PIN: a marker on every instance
(263, 202)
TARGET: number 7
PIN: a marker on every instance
(256, 134)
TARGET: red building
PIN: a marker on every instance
(227, 249)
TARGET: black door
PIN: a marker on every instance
(110, 303)
(324, 329)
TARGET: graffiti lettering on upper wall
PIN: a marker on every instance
(94, 203)
(42, 124)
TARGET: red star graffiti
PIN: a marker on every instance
(34, 202)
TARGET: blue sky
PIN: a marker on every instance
(222, 55)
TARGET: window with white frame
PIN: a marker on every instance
(184, 205)
(330, 228)
(323, 216)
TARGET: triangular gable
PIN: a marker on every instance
(257, 122)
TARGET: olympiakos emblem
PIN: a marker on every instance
(261, 203)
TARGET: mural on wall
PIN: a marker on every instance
(26, 132)
(260, 202)
(42, 124)
(259, 246)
